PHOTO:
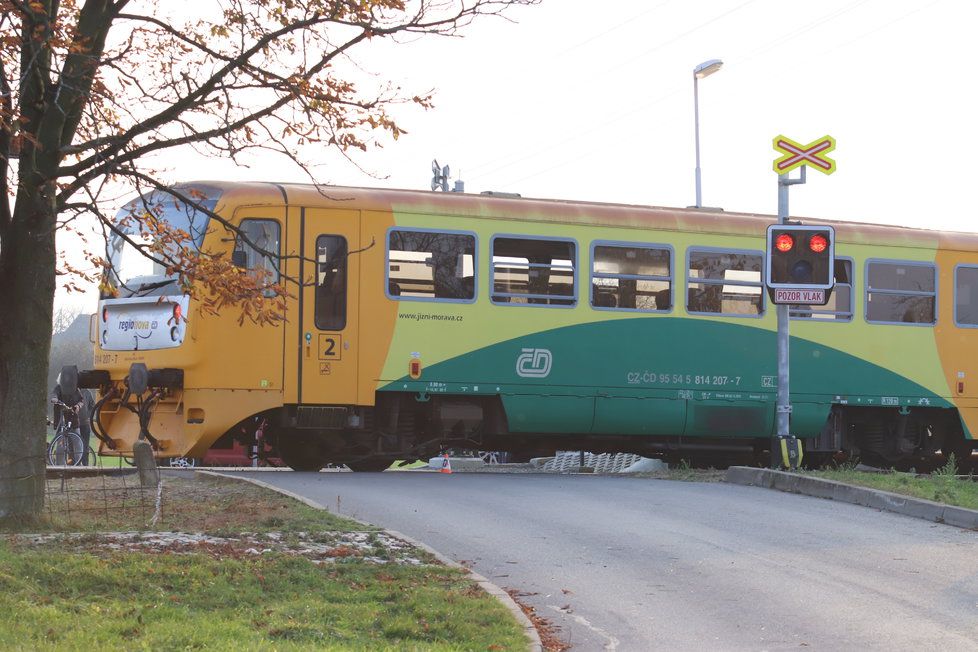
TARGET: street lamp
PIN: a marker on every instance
(705, 69)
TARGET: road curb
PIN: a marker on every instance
(847, 493)
(535, 645)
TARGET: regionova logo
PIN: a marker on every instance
(137, 324)
(534, 363)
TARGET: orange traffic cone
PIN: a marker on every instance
(446, 465)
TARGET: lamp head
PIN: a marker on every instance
(707, 68)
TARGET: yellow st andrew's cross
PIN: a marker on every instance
(812, 154)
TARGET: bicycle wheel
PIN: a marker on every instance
(66, 449)
(51, 448)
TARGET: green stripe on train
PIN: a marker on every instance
(629, 376)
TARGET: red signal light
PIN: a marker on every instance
(818, 243)
(784, 243)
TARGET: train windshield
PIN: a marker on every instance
(134, 274)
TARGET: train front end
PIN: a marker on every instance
(149, 347)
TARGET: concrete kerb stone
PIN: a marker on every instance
(458, 463)
(535, 645)
(961, 517)
(750, 477)
(865, 496)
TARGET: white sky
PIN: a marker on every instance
(572, 102)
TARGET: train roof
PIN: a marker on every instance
(507, 207)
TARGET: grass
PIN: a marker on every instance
(684, 472)
(69, 596)
(943, 485)
(51, 599)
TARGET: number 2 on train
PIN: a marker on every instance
(330, 347)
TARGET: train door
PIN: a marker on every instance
(329, 307)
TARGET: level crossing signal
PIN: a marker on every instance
(800, 257)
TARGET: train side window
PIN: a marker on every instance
(725, 282)
(966, 296)
(631, 277)
(256, 248)
(534, 271)
(901, 292)
(331, 282)
(425, 265)
(839, 307)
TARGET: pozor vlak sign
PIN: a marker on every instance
(799, 297)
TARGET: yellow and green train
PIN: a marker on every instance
(427, 320)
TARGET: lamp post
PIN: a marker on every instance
(705, 69)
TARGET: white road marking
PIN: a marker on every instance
(612, 643)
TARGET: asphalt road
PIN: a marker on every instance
(637, 564)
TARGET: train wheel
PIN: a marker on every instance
(301, 453)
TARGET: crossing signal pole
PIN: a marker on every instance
(795, 275)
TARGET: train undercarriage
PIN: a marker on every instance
(400, 427)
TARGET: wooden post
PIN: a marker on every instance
(149, 474)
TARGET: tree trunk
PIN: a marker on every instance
(27, 282)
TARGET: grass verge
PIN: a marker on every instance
(54, 599)
(77, 592)
(942, 486)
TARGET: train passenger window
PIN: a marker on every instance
(427, 265)
(534, 271)
(331, 267)
(839, 307)
(725, 282)
(631, 277)
(901, 292)
(966, 295)
(256, 248)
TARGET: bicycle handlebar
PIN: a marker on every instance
(70, 416)
(65, 406)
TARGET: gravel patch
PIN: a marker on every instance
(319, 547)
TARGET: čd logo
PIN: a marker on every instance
(534, 363)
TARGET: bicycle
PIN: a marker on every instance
(67, 447)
